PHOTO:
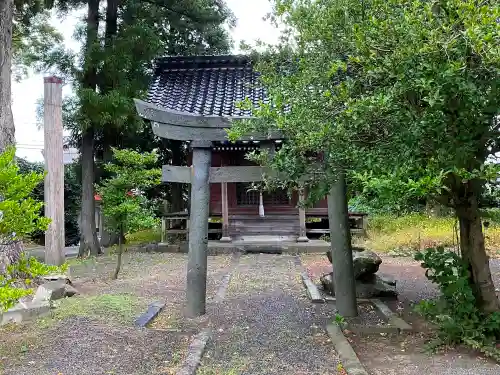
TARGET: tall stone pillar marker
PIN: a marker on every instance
(341, 249)
(54, 166)
(198, 228)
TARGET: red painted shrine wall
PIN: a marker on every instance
(235, 158)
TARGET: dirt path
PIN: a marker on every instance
(266, 324)
(404, 355)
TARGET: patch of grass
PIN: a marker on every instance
(119, 308)
(169, 318)
(144, 237)
(236, 366)
(75, 262)
(417, 231)
(171, 366)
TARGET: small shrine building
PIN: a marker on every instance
(194, 99)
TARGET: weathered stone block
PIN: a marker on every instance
(370, 287)
(387, 279)
(24, 311)
(53, 290)
(62, 278)
(365, 262)
(70, 291)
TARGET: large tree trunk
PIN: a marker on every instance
(89, 244)
(9, 252)
(474, 253)
(120, 252)
(106, 84)
(108, 237)
(6, 118)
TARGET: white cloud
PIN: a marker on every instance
(249, 28)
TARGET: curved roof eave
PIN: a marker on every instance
(156, 113)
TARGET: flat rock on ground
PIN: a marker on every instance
(267, 325)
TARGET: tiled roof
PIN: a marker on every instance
(205, 85)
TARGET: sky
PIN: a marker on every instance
(250, 27)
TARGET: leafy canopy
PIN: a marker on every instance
(123, 60)
(124, 205)
(405, 91)
(34, 39)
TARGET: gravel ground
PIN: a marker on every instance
(79, 346)
(147, 275)
(405, 354)
(368, 315)
(173, 318)
(411, 282)
(266, 324)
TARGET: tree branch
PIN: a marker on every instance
(161, 4)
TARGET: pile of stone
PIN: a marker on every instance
(53, 288)
(368, 284)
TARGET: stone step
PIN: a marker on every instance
(265, 218)
(263, 222)
(264, 227)
(254, 225)
(263, 233)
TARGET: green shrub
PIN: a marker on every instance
(459, 320)
(9, 296)
(124, 206)
(31, 268)
(17, 282)
(20, 216)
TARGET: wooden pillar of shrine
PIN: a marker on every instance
(225, 214)
(225, 210)
(302, 218)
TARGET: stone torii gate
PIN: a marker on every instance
(194, 99)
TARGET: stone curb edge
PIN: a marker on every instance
(392, 318)
(348, 357)
(152, 312)
(226, 279)
(312, 290)
(195, 352)
(199, 341)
